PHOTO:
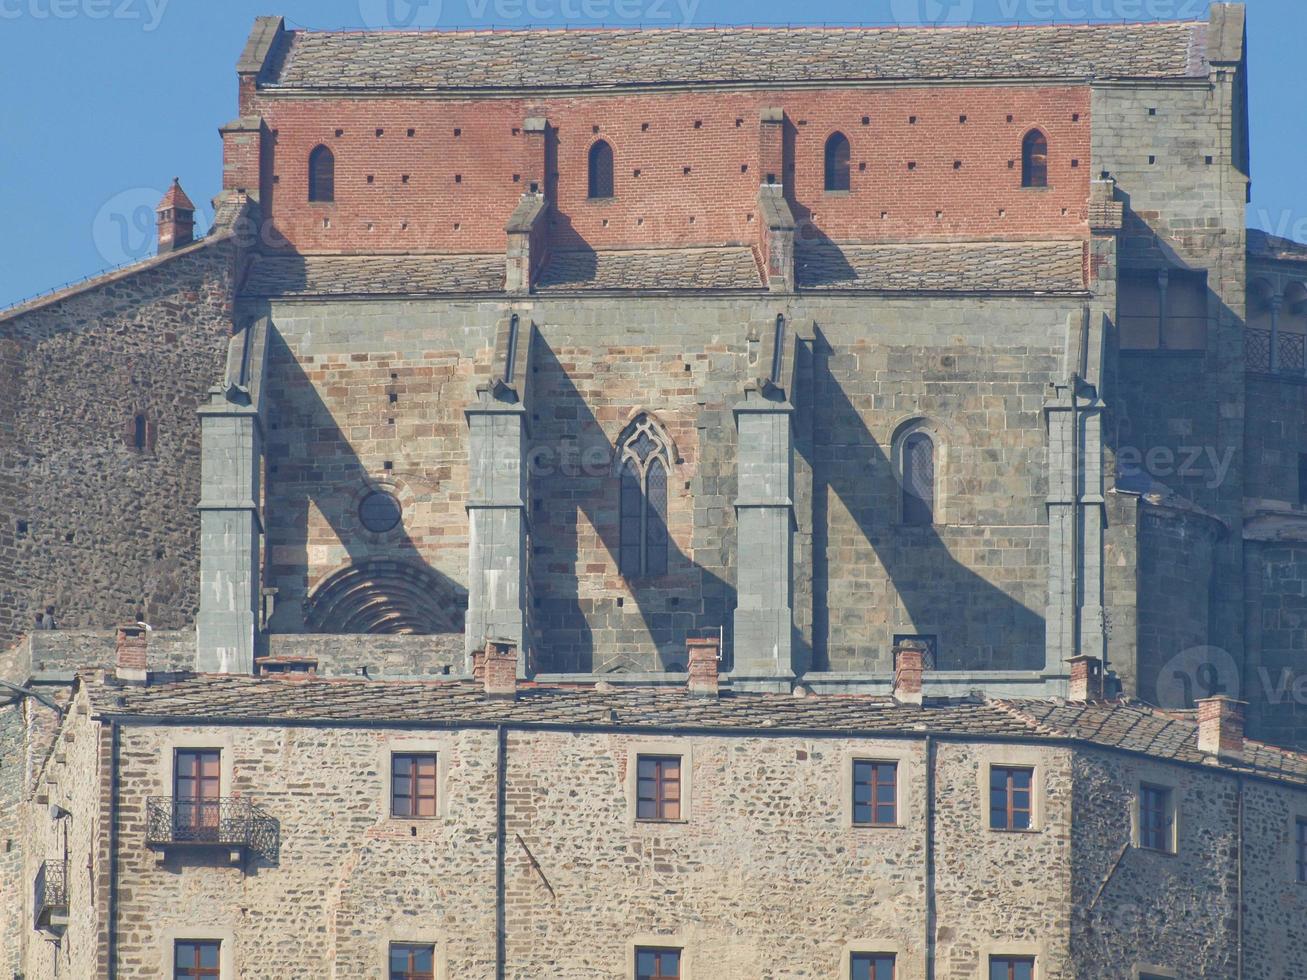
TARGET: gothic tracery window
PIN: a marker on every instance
(644, 459)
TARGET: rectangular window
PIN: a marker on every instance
(412, 961)
(196, 792)
(1301, 850)
(193, 959)
(1011, 968)
(871, 966)
(1011, 796)
(658, 787)
(1152, 317)
(657, 964)
(1156, 820)
(413, 785)
(1302, 479)
(875, 794)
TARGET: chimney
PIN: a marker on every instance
(702, 653)
(500, 669)
(909, 663)
(1086, 679)
(132, 653)
(1220, 726)
(479, 664)
(176, 219)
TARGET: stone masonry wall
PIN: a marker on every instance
(443, 175)
(97, 528)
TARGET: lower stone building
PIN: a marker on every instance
(296, 825)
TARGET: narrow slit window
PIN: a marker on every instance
(601, 170)
(918, 480)
(1034, 160)
(837, 162)
(322, 175)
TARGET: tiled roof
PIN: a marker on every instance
(616, 59)
(233, 698)
(396, 275)
(1020, 267)
(646, 269)
(1264, 246)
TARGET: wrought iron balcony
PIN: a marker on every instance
(50, 895)
(228, 823)
(1289, 349)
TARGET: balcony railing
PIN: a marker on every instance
(230, 823)
(1290, 351)
(50, 895)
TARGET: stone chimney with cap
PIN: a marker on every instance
(132, 653)
(1221, 726)
(702, 653)
(909, 665)
(176, 219)
(1086, 679)
(500, 669)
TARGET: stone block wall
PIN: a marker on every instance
(92, 525)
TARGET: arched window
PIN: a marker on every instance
(601, 170)
(322, 175)
(644, 458)
(1034, 160)
(918, 480)
(837, 162)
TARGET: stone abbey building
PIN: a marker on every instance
(681, 503)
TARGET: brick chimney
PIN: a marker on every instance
(479, 664)
(500, 670)
(702, 654)
(909, 664)
(1220, 726)
(176, 219)
(1086, 679)
(132, 653)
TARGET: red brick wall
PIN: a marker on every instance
(697, 157)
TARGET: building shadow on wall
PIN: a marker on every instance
(934, 588)
(600, 633)
(384, 584)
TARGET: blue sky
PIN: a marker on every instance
(105, 101)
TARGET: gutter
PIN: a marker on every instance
(930, 858)
(501, 764)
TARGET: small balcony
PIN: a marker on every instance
(1279, 354)
(50, 896)
(229, 824)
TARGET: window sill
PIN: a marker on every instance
(1016, 830)
(833, 193)
(321, 204)
(1155, 850)
(651, 822)
(600, 201)
(878, 826)
(1038, 190)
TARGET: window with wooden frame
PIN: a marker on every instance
(658, 787)
(657, 964)
(871, 966)
(194, 959)
(197, 793)
(875, 793)
(837, 162)
(412, 961)
(1011, 798)
(1300, 849)
(1011, 968)
(413, 785)
(1156, 818)
(645, 458)
(322, 175)
(1034, 160)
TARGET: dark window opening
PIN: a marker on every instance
(380, 512)
(193, 960)
(837, 162)
(412, 961)
(657, 964)
(322, 175)
(1156, 820)
(1011, 968)
(601, 170)
(413, 786)
(658, 787)
(1163, 310)
(643, 503)
(140, 431)
(1301, 850)
(1302, 479)
(918, 480)
(875, 794)
(871, 966)
(1034, 160)
(1011, 798)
